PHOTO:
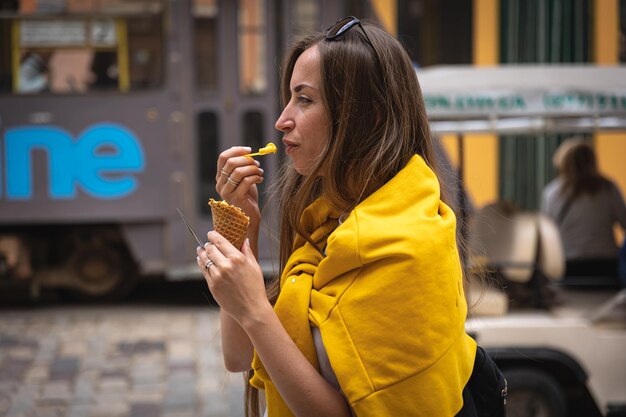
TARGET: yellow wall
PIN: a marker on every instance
(610, 146)
(611, 150)
(480, 173)
(450, 145)
(481, 168)
(606, 35)
(486, 34)
(386, 12)
(481, 151)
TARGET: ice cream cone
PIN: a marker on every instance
(229, 221)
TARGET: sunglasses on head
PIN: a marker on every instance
(344, 25)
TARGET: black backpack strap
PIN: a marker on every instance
(487, 386)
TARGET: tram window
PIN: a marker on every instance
(104, 72)
(85, 46)
(145, 51)
(253, 136)
(208, 131)
(305, 15)
(205, 14)
(253, 129)
(252, 27)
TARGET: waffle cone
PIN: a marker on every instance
(230, 222)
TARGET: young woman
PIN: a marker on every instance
(367, 317)
(585, 206)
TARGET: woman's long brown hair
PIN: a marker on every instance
(378, 123)
(579, 169)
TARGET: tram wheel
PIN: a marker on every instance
(100, 272)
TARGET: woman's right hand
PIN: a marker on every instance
(237, 178)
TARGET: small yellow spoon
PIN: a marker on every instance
(269, 148)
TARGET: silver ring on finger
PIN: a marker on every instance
(233, 182)
(208, 265)
(225, 173)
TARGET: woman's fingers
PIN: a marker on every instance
(203, 258)
(222, 160)
(236, 175)
(241, 171)
(220, 244)
(234, 278)
(236, 179)
(220, 251)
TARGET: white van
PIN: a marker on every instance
(560, 359)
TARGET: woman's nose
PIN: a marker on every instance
(284, 122)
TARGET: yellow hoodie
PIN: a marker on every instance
(387, 298)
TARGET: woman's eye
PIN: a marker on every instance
(304, 100)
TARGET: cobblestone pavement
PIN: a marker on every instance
(115, 362)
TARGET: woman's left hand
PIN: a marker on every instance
(234, 277)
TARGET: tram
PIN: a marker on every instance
(112, 114)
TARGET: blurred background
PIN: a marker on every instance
(113, 112)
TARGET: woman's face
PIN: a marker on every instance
(304, 121)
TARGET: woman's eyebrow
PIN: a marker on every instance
(302, 86)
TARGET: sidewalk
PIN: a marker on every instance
(115, 362)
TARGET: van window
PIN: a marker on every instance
(80, 46)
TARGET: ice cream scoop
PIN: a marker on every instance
(269, 148)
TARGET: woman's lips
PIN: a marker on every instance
(289, 146)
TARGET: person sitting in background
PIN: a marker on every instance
(585, 205)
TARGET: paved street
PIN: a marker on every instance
(129, 360)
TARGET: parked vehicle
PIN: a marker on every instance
(112, 115)
(562, 350)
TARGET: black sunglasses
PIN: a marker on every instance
(344, 25)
